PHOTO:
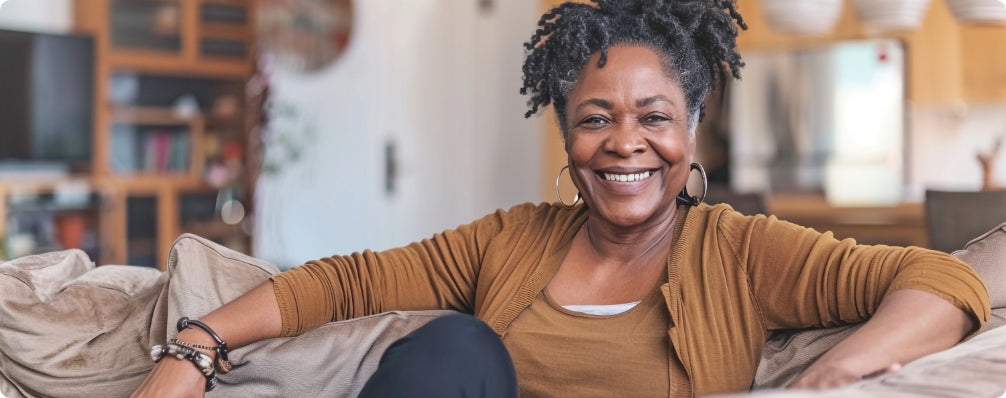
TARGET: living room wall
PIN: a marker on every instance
(435, 81)
(945, 140)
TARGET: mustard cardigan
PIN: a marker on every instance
(731, 280)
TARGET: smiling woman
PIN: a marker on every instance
(636, 291)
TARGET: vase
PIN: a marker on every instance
(70, 229)
(979, 12)
(802, 16)
(891, 14)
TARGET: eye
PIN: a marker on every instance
(655, 118)
(593, 122)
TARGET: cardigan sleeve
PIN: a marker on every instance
(803, 278)
(435, 273)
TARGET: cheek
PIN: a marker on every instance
(579, 149)
(676, 148)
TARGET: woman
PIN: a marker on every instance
(638, 291)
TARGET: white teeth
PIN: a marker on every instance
(626, 177)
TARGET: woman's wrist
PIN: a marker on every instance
(201, 361)
(197, 337)
(221, 361)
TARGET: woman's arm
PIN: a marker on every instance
(908, 324)
(913, 301)
(252, 317)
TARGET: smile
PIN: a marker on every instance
(632, 177)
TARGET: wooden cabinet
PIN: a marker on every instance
(901, 225)
(947, 61)
(934, 51)
(41, 214)
(984, 52)
(170, 134)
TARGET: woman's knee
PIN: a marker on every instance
(453, 355)
(460, 332)
(451, 340)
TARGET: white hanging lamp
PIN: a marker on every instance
(802, 16)
(892, 14)
(982, 12)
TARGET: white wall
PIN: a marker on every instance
(440, 80)
(37, 15)
(943, 143)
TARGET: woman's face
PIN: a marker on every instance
(628, 141)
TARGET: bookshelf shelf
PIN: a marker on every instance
(170, 78)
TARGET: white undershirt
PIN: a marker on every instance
(603, 310)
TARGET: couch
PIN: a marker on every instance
(70, 329)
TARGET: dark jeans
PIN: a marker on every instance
(452, 356)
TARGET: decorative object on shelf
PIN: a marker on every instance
(167, 20)
(981, 12)
(70, 230)
(988, 163)
(891, 14)
(303, 35)
(186, 106)
(802, 16)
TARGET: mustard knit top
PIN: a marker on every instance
(732, 279)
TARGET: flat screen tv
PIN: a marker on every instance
(46, 100)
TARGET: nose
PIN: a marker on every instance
(625, 140)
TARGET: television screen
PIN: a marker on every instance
(46, 99)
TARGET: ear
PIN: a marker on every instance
(691, 146)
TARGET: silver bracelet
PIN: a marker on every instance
(202, 361)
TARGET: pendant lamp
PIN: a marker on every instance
(802, 16)
(892, 14)
(979, 11)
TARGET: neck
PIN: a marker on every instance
(632, 245)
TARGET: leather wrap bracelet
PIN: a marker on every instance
(222, 363)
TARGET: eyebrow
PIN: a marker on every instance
(639, 103)
(597, 102)
(650, 100)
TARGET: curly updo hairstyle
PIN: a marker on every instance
(696, 39)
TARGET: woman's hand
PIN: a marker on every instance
(173, 377)
(820, 377)
(249, 318)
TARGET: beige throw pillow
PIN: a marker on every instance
(68, 329)
(987, 255)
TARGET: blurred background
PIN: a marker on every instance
(296, 129)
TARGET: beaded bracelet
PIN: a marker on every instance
(223, 364)
(202, 361)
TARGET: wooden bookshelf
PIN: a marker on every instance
(170, 78)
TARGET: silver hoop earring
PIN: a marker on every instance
(558, 196)
(684, 197)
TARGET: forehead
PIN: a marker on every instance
(630, 70)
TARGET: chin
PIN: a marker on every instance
(628, 216)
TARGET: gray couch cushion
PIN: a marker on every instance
(333, 360)
(67, 327)
(987, 255)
